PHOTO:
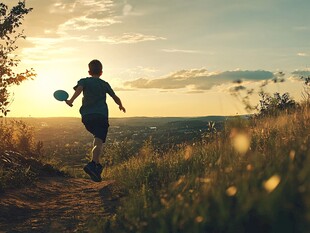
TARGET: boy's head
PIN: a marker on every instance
(95, 67)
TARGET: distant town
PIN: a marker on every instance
(161, 130)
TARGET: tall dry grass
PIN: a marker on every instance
(254, 176)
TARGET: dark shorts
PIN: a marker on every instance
(97, 125)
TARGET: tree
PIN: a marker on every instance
(273, 105)
(10, 21)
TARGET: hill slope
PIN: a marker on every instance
(55, 204)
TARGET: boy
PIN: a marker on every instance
(94, 112)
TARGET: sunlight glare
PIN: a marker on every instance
(199, 219)
(241, 143)
(188, 152)
(231, 191)
(272, 183)
(292, 155)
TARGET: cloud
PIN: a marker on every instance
(64, 16)
(57, 24)
(141, 69)
(137, 71)
(125, 38)
(129, 38)
(63, 7)
(199, 79)
(301, 28)
(302, 54)
(299, 73)
(43, 49)
(127, 9)
(194, 92)
(84, 23)
(87, 15)
(180, 51)
(122, 89)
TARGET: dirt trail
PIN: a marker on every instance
(55, 204)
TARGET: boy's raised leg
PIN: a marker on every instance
(91, 170)
(94, 168)
(96, 151)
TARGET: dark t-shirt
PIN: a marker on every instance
(94, 96)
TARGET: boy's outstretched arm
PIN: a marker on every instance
(77, 92)
(119, 103)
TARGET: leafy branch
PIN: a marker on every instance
(10, 21)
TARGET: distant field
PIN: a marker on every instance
(67, 143)
(66, 128)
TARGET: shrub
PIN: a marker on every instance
(18, 136)
(273, 105)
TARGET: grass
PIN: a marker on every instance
(252, 177)
(20, 163)
(13, 178)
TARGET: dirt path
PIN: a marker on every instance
(55, 204)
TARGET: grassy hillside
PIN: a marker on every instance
(254, 176)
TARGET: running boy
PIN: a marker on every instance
(94, 112)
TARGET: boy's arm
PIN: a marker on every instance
(77, 92)
(119, 103)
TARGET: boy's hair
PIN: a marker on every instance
(95, 67)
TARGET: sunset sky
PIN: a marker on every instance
(162, 57)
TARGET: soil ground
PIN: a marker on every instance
(56, 204)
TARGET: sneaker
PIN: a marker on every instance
(91, 170)
(99, 169)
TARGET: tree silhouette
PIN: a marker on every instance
(10, 20)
